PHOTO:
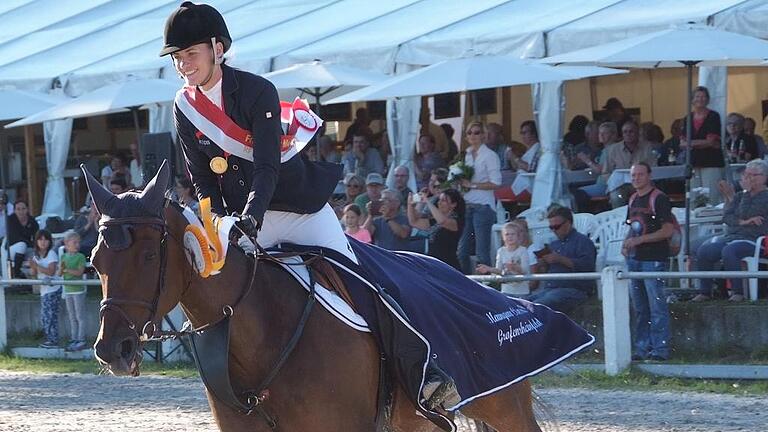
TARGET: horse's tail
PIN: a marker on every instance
(544, 414)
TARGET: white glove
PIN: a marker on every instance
(246, 244)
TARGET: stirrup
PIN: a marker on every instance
(439, 389)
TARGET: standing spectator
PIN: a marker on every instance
(453, 148)
(401, 176)
(21, 232)
(134, 168)
(623, 155)
(352, 218)
(360, 126)
(617, 114)
(363, 159)
(6, 209)
(647, 250)
(706, 155)
(117, 167)
(749, 130)
(72, 268)
(426, 160)
(530, 136)
(43, 266)
(87, 227)
(443, 226)
(494, 134)
(745, 220)
(572, 252)
(374, 184)
(390, 230)
(740, 146)
(441, 139)
(433, 190)
(186, 192)
(118, 184)
(511, 259)
(481, 203)
(328, 151)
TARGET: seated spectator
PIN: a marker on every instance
(186, 194)
(441, 139)
(390, 230)
(6, 209)
(353, 188)
(374, 184)
(353, 216)
(426, 160)
(740, 146)
(444, 225)
(401, 176)
(623, 155)
(617, 114)
(481, 203)
(453, 148)
(21, 233)
(511, 259)
(572, 252)
(671, 146)
(118, 184)
(530, 136)
(575, 136)
(647, 250)
(652, 135)
(363, 159)
(328, 151)
(749, 130)
(588, 151)
(87, 227)
(607, 136)
(434, 188)
(360, 126)
(745, 220)
(494, 139)
(117, 166)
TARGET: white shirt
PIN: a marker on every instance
(519, 256)
(45, 262)
(487, 168)
(135, 173)
(214, 94)
(530, 154)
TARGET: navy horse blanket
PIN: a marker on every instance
(482, 338)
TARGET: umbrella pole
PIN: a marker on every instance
(688, 165)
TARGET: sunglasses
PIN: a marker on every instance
(556, 227)
(354, 186)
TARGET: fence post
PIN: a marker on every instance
(618, 345)
(3, 329)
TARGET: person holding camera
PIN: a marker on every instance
(443, 226)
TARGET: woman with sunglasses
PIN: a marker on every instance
(480, 214)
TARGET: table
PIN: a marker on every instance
(620, 177)
(579, 177)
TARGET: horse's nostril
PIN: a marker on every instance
(126, 349)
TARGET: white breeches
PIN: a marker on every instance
(17, 248)
(316, 229)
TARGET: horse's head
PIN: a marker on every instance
(131, 256)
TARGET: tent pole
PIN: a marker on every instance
(688, 165)
(29, 156)
(135, 112)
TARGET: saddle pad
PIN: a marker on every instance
(329, 299)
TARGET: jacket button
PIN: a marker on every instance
(235, 167)
(242, 183)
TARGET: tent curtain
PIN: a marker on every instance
(161, 119)
(548, 109)
(402, 130)
(57, 135)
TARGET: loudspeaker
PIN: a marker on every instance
(155, 147)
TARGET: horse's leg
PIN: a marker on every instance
(509, 410)
(405, 418)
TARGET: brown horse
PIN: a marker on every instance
(328, 383)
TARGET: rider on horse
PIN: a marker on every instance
(229, 127)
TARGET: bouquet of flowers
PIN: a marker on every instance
(456, 173)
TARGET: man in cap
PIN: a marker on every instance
(229, 128)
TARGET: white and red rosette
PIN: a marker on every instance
(300, 124)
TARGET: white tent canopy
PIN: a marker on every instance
(92, 43)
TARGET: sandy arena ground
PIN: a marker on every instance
(48, 402)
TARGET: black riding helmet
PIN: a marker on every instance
(192, 24)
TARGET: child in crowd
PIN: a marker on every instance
(72, 267)
(352, 216)
(43, 266)
(511, 259)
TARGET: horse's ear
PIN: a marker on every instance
(154, 193)
(101, 195)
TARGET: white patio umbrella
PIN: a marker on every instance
(16, 104)
(470, 73)
(124, 96)
(322, 80)
(688, 46)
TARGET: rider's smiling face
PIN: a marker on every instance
(194, 64)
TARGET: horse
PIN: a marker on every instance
(330, 380)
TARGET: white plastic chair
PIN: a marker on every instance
(584, 223)
(610, 233)
(753, 264)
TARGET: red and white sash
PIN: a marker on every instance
(299, 124)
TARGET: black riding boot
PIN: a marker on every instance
(18, 261)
